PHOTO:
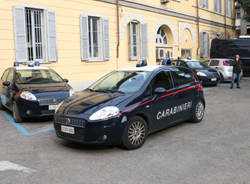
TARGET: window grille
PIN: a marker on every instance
(34, 34)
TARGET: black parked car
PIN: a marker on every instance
(32, 91)
(207, 76)
(128, 104)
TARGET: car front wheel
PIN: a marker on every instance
(198, 112)
(135, 133)
(16, 115)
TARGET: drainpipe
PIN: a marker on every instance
(118, 29)
(225, 18)
(198, 25)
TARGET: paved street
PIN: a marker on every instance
(215, 151)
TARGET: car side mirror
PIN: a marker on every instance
(65, 80)
(6, 83)
(160, 90)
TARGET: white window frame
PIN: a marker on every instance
(159, 36)
(45, 37)
(43, 34)
(99, 38)
(136, 34)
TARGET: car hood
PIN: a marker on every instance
(40, 88)
(88, 102)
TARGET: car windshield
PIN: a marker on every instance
(37, 76)
(121, 81)
(195, 64)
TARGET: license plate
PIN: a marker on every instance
(67, 129)
(213, 79)
(52, 107)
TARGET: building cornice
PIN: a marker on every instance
(159, 10)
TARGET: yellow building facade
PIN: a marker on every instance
(85, 39)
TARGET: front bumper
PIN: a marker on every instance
(206, 81)
(32, 109)
(107, 132)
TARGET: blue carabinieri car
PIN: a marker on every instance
(126, 105)
(32, 91)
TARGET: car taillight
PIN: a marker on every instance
(224, 63)
(199, 88)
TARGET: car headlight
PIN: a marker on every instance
(201, 74)
(71, 92)
(58, 106)
(105, 113)
(28, 96)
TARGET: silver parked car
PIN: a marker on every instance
(223, 66)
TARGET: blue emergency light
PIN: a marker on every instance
(16, 63)
(37, 63)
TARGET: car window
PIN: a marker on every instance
(229, 62)
(214, 63)
(163, 79)
(182, 63)
(38, 76)
(194, 64)
(10, 76)
(5, 74)
(122, 81)
(183, 76)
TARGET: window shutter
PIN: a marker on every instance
(52, 42)
(144, 41)
(20, 34)
(216, 5)
(219, 6)
(201, 3)
(227, 7)
(230, 8)
(84, 38)
(201, 44)
(206, 45)
(106, 52)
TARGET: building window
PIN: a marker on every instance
(217, 6)
(34, 34)
(203, 4)
(204, 44)
(248, 31)
(94, 37)
(161, 38)
(186, 53)
(229, 8)
(134, 40)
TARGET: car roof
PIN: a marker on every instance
(31, 68)
(221, 59)
(189, 60)
(149, 68)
